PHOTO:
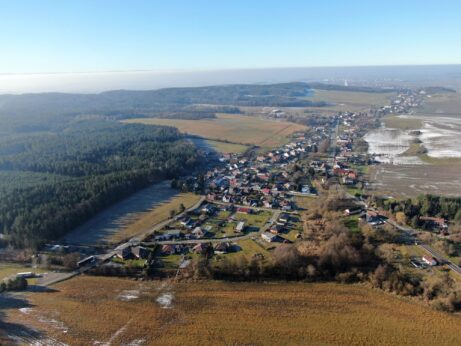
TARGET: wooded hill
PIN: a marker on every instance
(52, 182)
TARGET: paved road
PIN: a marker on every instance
(253, 208)
(435, 253)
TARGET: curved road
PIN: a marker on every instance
(435, 253)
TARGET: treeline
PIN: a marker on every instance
(34, 112)
(424, 205)
(82, 170)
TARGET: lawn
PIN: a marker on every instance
(143, 222)
(234, 128)
(10, 269)
(93, 310)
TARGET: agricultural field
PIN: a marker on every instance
(404, 181)
(100, 310)
(351, 100)
(247, 130)
(442, 104)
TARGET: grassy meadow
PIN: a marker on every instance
(234, 128)
(96, 310)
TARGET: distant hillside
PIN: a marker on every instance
(49, 111)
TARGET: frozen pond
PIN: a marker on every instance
(388, 145)
(407, 175)
(442, 136)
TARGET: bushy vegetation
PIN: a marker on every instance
(13, 284)
(425, 205)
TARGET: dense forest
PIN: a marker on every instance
(52, 182)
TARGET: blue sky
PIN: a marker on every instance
(102, 35)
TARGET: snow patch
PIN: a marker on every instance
(165, 300)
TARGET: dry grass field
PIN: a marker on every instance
(403, 123)
(234, 128)
(97, 310)
(227, 148)
(351, 100)
(142, 222)
(443, 104)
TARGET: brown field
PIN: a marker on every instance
(142, 222)
(403, 181)
(234, 128)
(443, 104)
(403, 123)
(226, 148)
(94, 310)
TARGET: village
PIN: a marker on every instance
(252, 198)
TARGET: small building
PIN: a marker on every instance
(276, 229)
(429, 260)
(201, 248)
(243, 210)
(240, 227)
(123, 252)
(25, 275)
(198, 232)
(284, 218)
(269, 237)
(168, 250)
(221, 248)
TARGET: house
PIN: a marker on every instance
(132, 252)
(140, 252)
(243, 210)
(276, 229)
(240, 226)
(373, 218)
(431, 261)
(172, 234)
(269, 237)
(123, 252)
(198, 233)
(284, 218)
(168, 250)
(201, 248)
(221, 248)
(435, 222)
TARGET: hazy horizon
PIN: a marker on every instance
(95, 82)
